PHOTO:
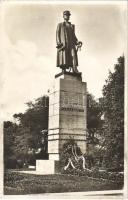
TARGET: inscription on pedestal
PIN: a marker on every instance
(72, 101)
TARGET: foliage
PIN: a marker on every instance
(113, 105)
(94, 122)
(9, 138)
(23, 139)
(34, 120)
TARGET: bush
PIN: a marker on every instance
(11, 163)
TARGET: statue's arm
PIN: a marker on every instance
(78, 43)
(58, 40)
(75, 38)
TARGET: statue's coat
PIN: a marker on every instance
(68, 56)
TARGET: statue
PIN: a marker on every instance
(67, 45)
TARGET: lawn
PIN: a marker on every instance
(16, 183)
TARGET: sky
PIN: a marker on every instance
(28, 57)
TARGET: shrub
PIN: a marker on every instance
(11, 164)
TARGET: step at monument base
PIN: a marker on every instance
(47, 166)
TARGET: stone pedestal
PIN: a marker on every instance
(67, 119)
(67, 113)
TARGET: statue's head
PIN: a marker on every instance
(66, 15)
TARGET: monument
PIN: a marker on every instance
(67, 99)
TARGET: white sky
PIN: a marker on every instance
(28, 58)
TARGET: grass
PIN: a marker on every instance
(16, 183)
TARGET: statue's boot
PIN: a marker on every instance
(75, 70)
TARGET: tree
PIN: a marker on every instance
(9, 138)
(94, 122)
(26, 136)
(113, 105)
(33, 121)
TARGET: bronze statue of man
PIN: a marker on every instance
(67, 44)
